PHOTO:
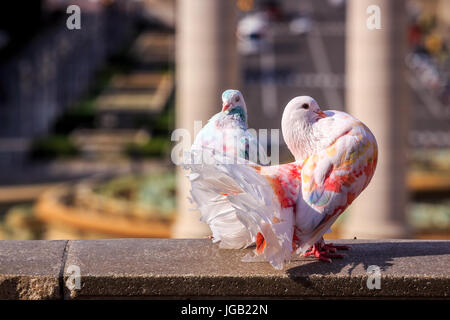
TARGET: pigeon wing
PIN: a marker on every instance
(253, 151)
(332, 179)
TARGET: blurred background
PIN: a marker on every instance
(87, 114)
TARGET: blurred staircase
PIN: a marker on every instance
(131, 101)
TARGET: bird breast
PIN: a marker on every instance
(327, 130)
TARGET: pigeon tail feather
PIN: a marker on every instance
(239, 205)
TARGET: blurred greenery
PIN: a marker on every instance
(19, 223)
(54, 146)
(153, 190)
(82, 116)
(431, 160)
(162, 124)
(165, 124)
(430, 216)
(155, 147)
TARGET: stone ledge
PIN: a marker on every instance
(31, 269)
(170, 268)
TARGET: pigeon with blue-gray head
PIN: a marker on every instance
(227, 132)
(225, 136)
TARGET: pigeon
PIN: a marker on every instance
(225, 138)
(286, 209)
(227, 132)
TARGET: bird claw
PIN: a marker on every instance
(325, 252)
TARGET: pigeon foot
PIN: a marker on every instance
(325, 252)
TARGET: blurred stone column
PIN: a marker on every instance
(377, 95)
(443, 11)
(206, 64)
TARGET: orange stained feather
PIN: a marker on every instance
(331, 151)
(294, 171)
(350, 197)
(275, 220)
(295, 239)
(277, 186)
(284, 182)
(260, 243)
(336, 182)
(257, 168)
(311, 165)
(307, 178)
(369, 168)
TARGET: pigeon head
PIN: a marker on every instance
(302, 110)
(233, 100)
(297, 125)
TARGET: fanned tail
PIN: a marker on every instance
(239, 205)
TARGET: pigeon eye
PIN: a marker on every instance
(305, 106)
(238, 98)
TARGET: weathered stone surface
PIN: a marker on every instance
(168, 268)
(197, 268)
(31, 269)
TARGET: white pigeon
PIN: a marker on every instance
(286, 209)
(227, 138)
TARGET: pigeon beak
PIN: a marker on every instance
(321, 114)
(225, 107)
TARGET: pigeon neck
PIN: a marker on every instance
(321, 134)
(300, 139)
(239, 113)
